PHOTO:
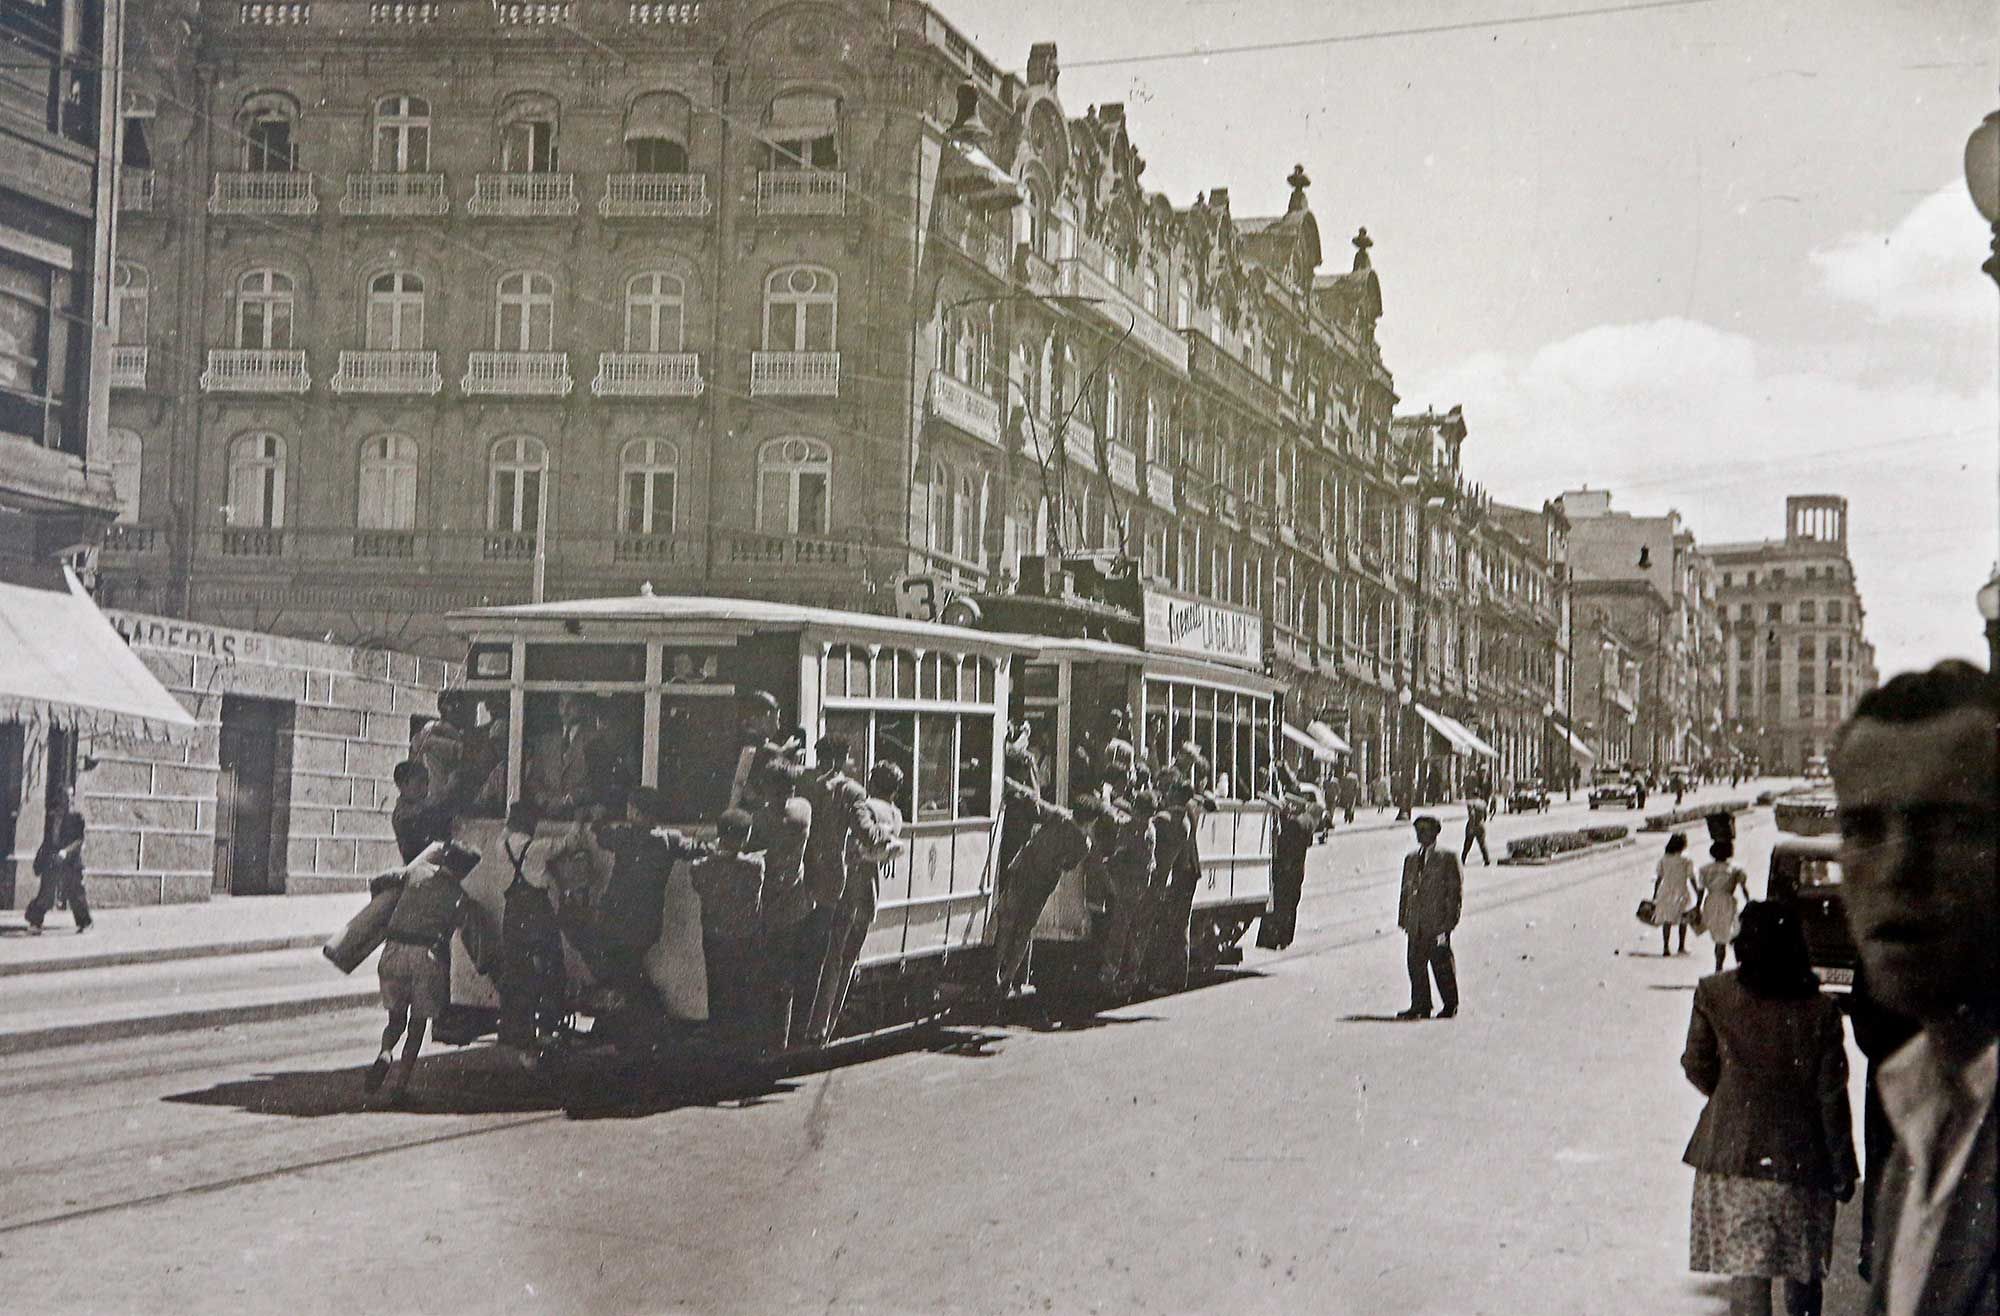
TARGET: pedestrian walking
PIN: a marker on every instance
(1917, 772)
(1475, 831)
(1428, 910)
(1723, 887)
(531, 980)
(1673, 893)
(59, 864)
(1350, 794)
(415, 968)
(730, 885)
(869, 860)
(1774, 1147)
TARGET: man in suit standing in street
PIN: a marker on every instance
(1433, 888)
(1917, 773)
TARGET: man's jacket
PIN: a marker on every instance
(1433, 889)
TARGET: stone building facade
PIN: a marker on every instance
(432, 305)
(1798, 657)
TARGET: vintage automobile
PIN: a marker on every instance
(1611, 786)
(1528, 796)
(1805, 872)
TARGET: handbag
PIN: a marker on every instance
(1647, 909)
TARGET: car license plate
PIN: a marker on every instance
(1832, 977)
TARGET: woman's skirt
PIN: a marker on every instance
(1742, 1226)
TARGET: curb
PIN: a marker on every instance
(105, 1030)
(1568, 855)
(160, 955)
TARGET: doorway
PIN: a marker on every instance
(253, 797)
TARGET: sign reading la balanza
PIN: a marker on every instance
(1199, 628)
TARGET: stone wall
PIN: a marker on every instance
(152, 808)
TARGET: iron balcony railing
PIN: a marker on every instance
(648, 375)
(802, 192)
(372, 371)
(795, 374)
(395, 194)
(655, 196)
(517, 374)
(256, 370)
(259, 193)
(523, 196)
(962, 405)
(128, 366)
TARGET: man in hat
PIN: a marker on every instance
(1917, 774)
(840, 814)
(628, 918)
(757, 720)
(415, 969)
(1432, 891)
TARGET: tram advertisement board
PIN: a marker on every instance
(1199, 628)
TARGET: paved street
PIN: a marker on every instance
(1266, 1143)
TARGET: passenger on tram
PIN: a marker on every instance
(1176, 868)
(417, 822)
(1116, 759)
(574, 764)
(1057, 846)
(868, 862)
(1021, 805)
(1128, 870)
(780, 828)
(614, 934)
(1194, 767)
(530, 981)
(730, 884)
(757, 722)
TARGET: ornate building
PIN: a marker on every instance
(1798, 658)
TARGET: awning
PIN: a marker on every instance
(1302, 740)
(972, 175)
(62, 662)
(1454, 734)
(1577, 748)
(1323, 733)
(1471, 738)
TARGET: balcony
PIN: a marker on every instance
(264, 194)
(255, 370)
(746, 549)
(648, 375)
(395, 194)
(1160, 486)
(388, 372)
(1195, 489)
(128, 366)
(514, 546)
(795, 374)
(134, 540)
(1078, 279)
(135, 189)
(517, 374)
(655, 196)
(386, 545)
(523, 196)
(256, 541)
(959, 404)
(1124, 464)
(801, 192)
(664, 550)
(990, 248)
(531, 13)
(1080, 442)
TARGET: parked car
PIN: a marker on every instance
(1816, 769)
(1610, 786)
(1805, 872)
(1807, 815)
(1528, 797)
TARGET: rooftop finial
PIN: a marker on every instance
(1362, 242)
(1298, 182)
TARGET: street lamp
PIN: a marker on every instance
(1406, 697)
(1989, 608)
(1548, 761)
(1982, 179)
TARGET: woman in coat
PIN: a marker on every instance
(1774, 1148)
(1723, 885)
(1673, 893)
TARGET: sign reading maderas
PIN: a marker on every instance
(1204, 630)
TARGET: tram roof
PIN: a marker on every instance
(640, 612)
(1157, 663)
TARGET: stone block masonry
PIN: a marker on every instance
(173, 822)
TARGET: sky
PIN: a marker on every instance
(1701, 254)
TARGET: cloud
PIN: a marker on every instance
(1679, 413)
(1924, 270)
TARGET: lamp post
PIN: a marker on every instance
(1548, 721)
(1982, 179)
(1409, 784)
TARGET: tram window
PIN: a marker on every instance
(906, 673)
(582, 750)
(1042, 745)
(839, 681)
(490, 662)
(1040, 681)
(936, 756)
(698, 748)
(947, 677)
(975, 766)
(854, 727)
(691, 666)
(586, 662)
(1246, 780)
(981, 671)
(1260, 743)
(1157, 748)
(896, 742)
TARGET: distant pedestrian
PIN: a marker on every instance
(1432, 893)
(1475, 831)
(1774, 1148)
(59, 865)
(1680, 788)
(1723, 886)
(1350, 794)
(415, 968)
(1673, 893)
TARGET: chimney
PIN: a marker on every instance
(1218, 199)
(1042, 70)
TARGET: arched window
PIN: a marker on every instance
(131, 298)
(654, 307)
(267, 127)
(656, 134)
(801, 310)
(257, 482)
(1150, 289)
(395, 312)
(515, 487)
(969, 514)
(402, 135)
(388, 486)
(802, 131)
(123, 453)
(528, 135)
(794, 486)
(1113, 407)
(264, 307)
(1042, 224)
(524, 313)
(941, 536)
(648, 474)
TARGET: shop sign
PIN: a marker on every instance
(185, 637)
(1198, 628)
